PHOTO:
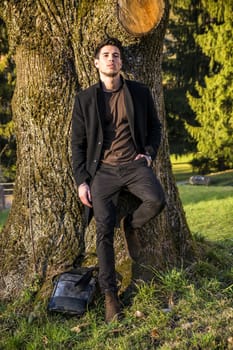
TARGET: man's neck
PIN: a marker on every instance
(111, 83)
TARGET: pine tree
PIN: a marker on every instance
(213, 106)
(183, 65)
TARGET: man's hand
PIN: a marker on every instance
(85, 194)
(148, 158)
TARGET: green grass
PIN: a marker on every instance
(183, 309)
(183, 170)
(3, 217)
(182, 326)
(222, 179)
(185, 158)
(209, 210)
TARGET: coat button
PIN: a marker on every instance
(94, 160)
(99, 143)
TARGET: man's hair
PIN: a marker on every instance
(108, 41)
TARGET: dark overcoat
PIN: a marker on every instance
(87, 126)
(88, 120)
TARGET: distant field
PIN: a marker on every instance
(183, 170)
(181, 167)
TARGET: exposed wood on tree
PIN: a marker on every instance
(140, 17)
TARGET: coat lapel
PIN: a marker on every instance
(100, 105)
(129, 110)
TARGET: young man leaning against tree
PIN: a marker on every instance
(115, 137)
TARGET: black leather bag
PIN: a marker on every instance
(73, 291)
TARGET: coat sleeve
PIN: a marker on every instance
(153, 129)
(79, 145)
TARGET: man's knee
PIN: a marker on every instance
(157, 205)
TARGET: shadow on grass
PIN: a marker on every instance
(216, 261)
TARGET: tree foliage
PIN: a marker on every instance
(213, 106)
(183, 65)
(7, 81)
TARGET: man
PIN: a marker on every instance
(115, 136)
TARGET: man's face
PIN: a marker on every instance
(109, 62)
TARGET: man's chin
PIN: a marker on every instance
(111, 74)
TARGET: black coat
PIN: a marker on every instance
(87, 131)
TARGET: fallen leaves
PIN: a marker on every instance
(230, 343)
(154, 334)
(78, 328)
(139, 314)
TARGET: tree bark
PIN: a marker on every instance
(53, 43)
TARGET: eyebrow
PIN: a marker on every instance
(107, 52)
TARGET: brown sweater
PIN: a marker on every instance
(118, 146)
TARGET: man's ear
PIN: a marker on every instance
(96, 63)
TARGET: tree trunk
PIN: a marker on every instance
(53, 43)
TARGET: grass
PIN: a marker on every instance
(183, 309)
(209, 210)
(181, 167)
(182, 326)
(3, 217)
(182, 170)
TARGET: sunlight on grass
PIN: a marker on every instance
(182, 168)
(209, 210)
(185, 158)
(182, 308)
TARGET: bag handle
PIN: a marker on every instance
(85, 279)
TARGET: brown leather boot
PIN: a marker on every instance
(132, 243)
(112, 307)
